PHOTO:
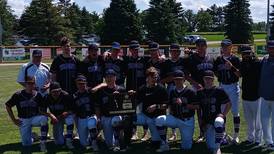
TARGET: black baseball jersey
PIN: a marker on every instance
(135, 72)
(85, 104)
(93, 70)
(187, 96)
(66, 69)
(210, 101)
(118, 65)
(250, 72)
(63, 103)
(196, 65)
(152, 95)
(159, 65)
(170, 66)
(27, 105)
(107, 101)
(225, 75)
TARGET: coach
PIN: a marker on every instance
(266, 91)
(36, 69)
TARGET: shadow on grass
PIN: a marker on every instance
(136, 148)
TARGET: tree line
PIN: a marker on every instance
(165, 21)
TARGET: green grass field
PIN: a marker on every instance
(219, 37)
(10, 139)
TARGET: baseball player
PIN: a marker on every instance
(60, 105)
(116, 63)
(154, 98)
(182, 109)
(107, 101)
(212, 117)
(64, 68)
(227, 67)
(196, 64)
(171, 65)
(92, 67)
(86, 111)
(37, 69)
(28, 103)
(250, 72)
(135, 76)
(266, 94)
(155, 59)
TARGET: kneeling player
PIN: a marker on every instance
(60, 104)
(108, 98)
(154, 98)
(28, 102)
(85, 109)
(182, 110)
(210, 101)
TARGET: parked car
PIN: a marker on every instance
(191, 39)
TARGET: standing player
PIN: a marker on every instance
(60, 104)
(155, 59)
(154, 98)
(106, 99)
(212, 117)
(227, 67)
(86, 109)
(135, 75)
(116, 63)
(250, 72)
(196, 64)
(64, 67)
(92, 67)
(37, 69)
(28, 103)
(182, 109)
(171, 65)
(266, 92)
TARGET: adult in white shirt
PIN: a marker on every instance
(37, 69)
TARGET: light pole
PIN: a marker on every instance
(1, 41)
(268, 25)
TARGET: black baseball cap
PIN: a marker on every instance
(270, 44)
(30, 79)
(174, 47)
(201, 42)
(93, 47)
(134, 44)
(54, 86)
(153, 46)
(226, 42)
(245, 49)
(110, 72)
(37, 53)
(81, 79)
(178, 74)
(115, 45)
(209, 74)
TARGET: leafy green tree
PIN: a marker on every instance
(217, 14)
(190, 20)
(42, 22)
(121, 22)
(272, 24)
(7, 21)
(204, 21)
(238, 22)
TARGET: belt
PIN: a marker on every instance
(185, 119)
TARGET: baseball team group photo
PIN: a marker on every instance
(133, 89)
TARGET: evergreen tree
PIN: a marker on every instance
(217, 14)
(42, 22)
(238, 22)
(163, 21)
(121, 22)
(190, 20)
(7, 21)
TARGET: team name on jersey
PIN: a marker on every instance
(57, 107)
(28, 103)
(205, 66)
(94, 68)
(135, 66)
(67, 66)
(82, 101)
(222, 67)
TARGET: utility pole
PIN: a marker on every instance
(268, 24)
(1, 40)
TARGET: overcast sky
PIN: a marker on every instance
(258, 7)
